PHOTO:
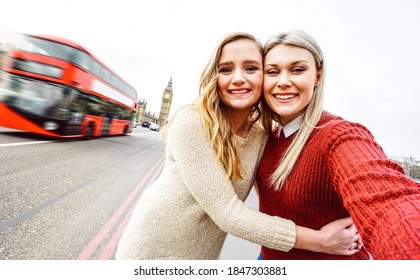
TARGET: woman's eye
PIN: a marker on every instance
(225, 70)
(298, 70)
(271, 72)
(251, 68)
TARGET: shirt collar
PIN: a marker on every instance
(291, 127)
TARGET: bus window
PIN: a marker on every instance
(83, 60)
(35, 97)
(44, 47)
(58, 102)
(77, 107)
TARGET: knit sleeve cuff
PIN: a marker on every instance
(288, 232)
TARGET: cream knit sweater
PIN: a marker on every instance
(187, 211)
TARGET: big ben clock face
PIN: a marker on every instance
(166, 96)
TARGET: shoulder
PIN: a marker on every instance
(186, 119)
(336, 126)
(186, 128)
(187, 115)
(337, 131)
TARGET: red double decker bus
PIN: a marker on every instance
(55, 87)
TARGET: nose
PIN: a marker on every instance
(238, 77)
(284, 80)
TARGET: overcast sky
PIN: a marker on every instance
(371, 48)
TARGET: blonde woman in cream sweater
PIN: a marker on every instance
(212, 151)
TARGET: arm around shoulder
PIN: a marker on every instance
(207, 181)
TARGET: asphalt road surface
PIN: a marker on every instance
(71, 199)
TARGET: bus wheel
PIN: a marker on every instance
(88, 132)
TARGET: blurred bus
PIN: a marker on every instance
(55, 87)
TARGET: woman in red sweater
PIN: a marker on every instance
(318, 167)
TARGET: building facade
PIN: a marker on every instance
(143, 115)
(411, 166)
(166, 104)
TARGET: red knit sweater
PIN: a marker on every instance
(342, 171)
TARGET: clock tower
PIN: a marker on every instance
(166, 103)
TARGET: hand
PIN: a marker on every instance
(340, 237)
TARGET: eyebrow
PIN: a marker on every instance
(249, 61)
(293, 63)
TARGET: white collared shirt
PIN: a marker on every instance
(291, 127)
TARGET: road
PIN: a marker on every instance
(71, 199)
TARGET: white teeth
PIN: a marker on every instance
(239, 91)
(284, 97)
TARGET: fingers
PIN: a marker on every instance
(352, 250)
(352, 229)
(359, 242)
(356, 238)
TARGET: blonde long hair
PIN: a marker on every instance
(213, 115)
(312, 112)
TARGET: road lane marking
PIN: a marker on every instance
(139, 133)
(24, 143)
(155, 145)
(12, 222)
(103, 232)
(110, 248)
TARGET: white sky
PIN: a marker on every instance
(371, 47)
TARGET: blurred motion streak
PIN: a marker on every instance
(55, 87)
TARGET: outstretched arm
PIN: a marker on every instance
(384, 203)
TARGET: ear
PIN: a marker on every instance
(318, 77)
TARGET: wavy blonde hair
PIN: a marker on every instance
(213, 113)
(312, 113)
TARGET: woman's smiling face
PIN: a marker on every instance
(240, 75)
(290, 76)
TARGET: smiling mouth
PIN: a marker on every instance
(242, 91)
(284, 96)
